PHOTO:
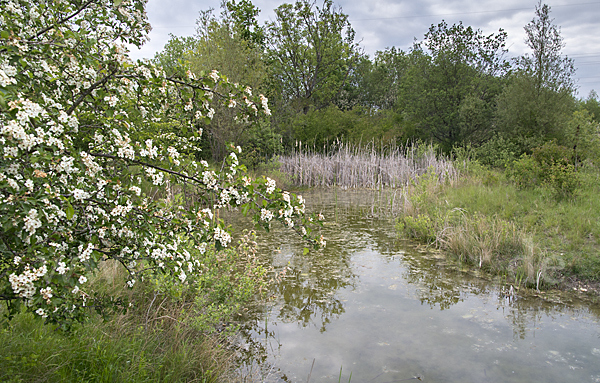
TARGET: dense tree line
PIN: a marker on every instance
(454, 88)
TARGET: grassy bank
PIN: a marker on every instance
(536, 223)
(145, 345)
(171, 333)
(526, 234)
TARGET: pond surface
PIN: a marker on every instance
(372, 308)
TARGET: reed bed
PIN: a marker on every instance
(364, 166)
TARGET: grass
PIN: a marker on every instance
(526, 234)
(149, 344)
(168, 335)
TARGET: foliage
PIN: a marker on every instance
(175, 55)
(449, 91)
(374, 84)
(230, 279)
(319, 128)
(546, 65)
(380, 85)
(525, 113)
(223, 42)
(421, 228)
(582, 133)
(73, 108)
(592, 105)
(310, 53)
(244, 15)
(538, 101)
(551, 166)
(262, 143)
(498, 152)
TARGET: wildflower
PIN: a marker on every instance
(222, 236)
(214, 75)
(322, 241)
(32, 222)
(46, 293)
(80, 195)
(62, 268)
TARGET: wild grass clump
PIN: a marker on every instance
(492, 243)
(170, 333)
(364, 166)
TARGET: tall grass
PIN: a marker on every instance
(364, 166)
(171, 332)
(150, 343)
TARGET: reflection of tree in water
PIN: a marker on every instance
(526, 312)
(307, 291)
(437, 284)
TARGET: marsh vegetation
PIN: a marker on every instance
(119, 181)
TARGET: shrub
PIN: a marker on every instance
(422, 227)
(549, 166)
(497, 152)
(78, 144)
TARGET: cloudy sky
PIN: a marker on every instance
(380, 24)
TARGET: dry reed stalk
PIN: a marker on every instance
(364, 166)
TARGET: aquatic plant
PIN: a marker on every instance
(371, 165)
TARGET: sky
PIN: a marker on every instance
(381, 24)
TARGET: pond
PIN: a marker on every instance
(373, 308)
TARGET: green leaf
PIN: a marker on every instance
(305, 251)
(70, 211)
(4, 34)
(245, 209)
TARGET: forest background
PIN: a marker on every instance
(454, 88)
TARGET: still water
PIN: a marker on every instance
(373, 308)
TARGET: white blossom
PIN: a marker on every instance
(32, 221)
(270, 185)
(266, 215)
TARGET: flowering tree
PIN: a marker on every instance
(75, 164)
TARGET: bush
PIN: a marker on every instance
(524, 172)
(549, 166)
(498, 152)
(422, 227)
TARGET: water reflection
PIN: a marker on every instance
(387, 311)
